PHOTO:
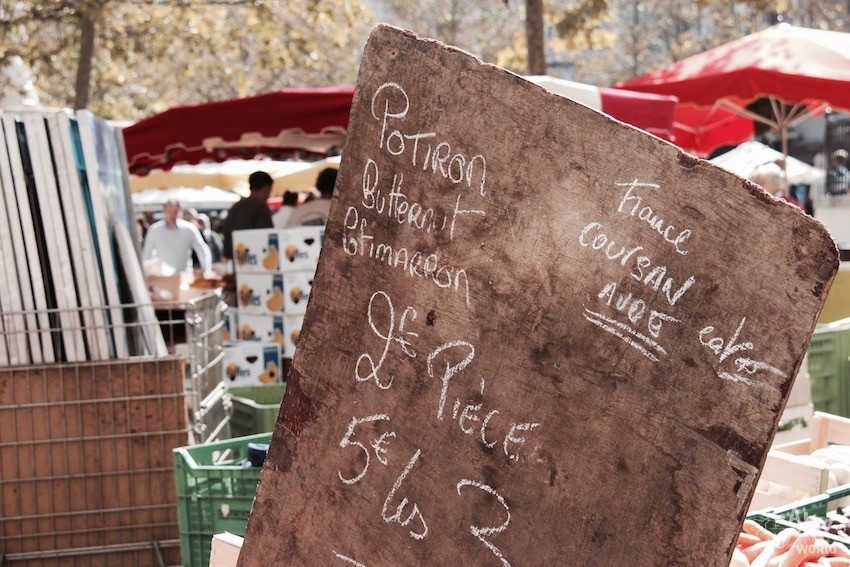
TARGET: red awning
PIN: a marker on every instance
(805, 68)
(312, 120)
(650, 112)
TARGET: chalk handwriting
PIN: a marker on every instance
(389, 336)
(512, 438)
(624, 332)
(438, 157)
(415, 513)
(752, 366)
(348, 560)
(721, 347)
(468, 353)
(485, 534)
(378, 445)
(412, 262)
(472, 418)
(649, 216)
(655, 278)
(744, 367)
(396, 205)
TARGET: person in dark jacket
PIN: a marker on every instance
(249, 212)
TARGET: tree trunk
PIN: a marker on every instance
(534, 37)
(82, 86)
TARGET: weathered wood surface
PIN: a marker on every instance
(546, 395)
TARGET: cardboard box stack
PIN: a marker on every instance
(274, 274)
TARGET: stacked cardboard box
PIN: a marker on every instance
(274, 275)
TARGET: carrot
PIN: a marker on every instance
(746, 540)
(838, 550)
(784, 541)
(753, 528)
(755, 550)
(806, 547)
(777, 560)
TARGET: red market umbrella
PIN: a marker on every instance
(702, 129)
(312, 120)
(796, 73)
(650, 112)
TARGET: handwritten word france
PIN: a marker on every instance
(644, 212)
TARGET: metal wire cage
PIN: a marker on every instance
(86, 469)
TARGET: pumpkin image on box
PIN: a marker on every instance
(260, 293)
(270, 262)
(276, 301)
(291, 253)
(297, 285)
(270, 375)
(241, 254)
(252, 363)
(245, 295)
(246, 333)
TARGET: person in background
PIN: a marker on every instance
(316, 212)
(838, 181)
(142, 227)
(249, 212)
(173, 239)
(280, 218)
(772, 179)
(212, 239)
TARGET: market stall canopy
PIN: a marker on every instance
(793, 72)
(233, 174)
(189, 197)
(744, 159)
(649, 112)
(311, 120)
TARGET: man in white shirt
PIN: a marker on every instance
(316, 212)
(173, 239)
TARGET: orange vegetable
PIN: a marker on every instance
(839, 550)
(784, 541)
(753, 528)
(746, 540)
(807, 547)
(755, 550)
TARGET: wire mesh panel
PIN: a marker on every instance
(85, 469)
(210, 408)
(85, 448)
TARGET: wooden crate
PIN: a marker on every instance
(782, 468)
(85, 462)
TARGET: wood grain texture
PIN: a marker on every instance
(591, 400)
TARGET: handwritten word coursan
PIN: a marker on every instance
(656, 277)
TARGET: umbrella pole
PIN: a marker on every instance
(779, 111)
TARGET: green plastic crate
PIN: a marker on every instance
(790, 515)
(829, 368)
(255, 409)
(214, 493)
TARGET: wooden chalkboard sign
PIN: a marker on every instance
(536, 336)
